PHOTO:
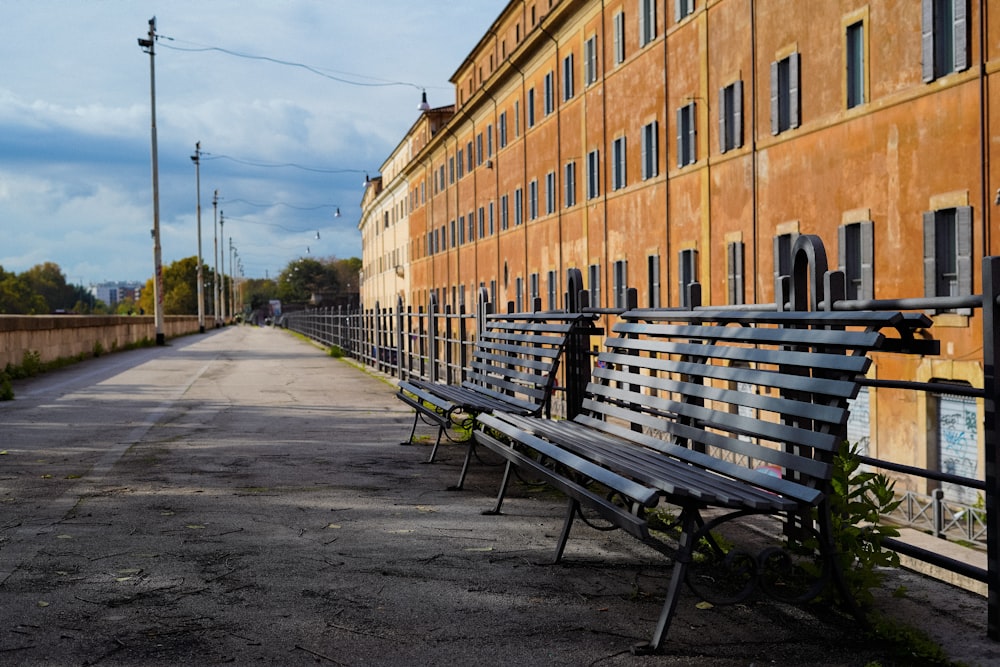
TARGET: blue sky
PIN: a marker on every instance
(75, 174)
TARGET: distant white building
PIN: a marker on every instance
(113, 293)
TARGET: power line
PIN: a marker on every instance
(375, 81)
(280, 203)
(278, 165)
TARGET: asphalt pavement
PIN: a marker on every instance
(240, 497)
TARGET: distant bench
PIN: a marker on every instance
(708, 410)
(514, 368)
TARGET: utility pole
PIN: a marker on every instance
(222, 276)
(148, 46)
(215, 245)
(196, 158)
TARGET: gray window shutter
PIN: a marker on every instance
(794, 83)
(960, 26)
(738, 114)
(777, 271)
(680, 137)
(963, 223)
(692, 155)
(774, 98)
(722, 120)
(930, 256)
(842, 248)
(927, 39)
(642, 22)
(734, 260)
(867, 260)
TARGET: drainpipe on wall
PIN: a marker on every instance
(984, 154)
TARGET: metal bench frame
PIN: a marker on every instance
(674, 397)
(514, 369)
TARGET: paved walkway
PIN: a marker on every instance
(241, 498)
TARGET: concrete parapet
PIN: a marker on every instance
(63, 336)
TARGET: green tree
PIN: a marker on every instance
(180, 289)
(47, 280)
(18, 298)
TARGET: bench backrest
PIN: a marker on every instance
(516, 357)
(756, 396)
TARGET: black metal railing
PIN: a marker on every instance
(435, 343)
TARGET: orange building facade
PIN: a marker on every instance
(654, 143)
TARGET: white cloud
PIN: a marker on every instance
(75, 122)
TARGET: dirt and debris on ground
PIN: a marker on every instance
(242, 498)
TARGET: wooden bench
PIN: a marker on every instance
(514, 369)
(721, 413)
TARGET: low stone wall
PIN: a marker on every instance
(63, 336)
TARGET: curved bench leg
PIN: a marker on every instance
(689, 519)
(437, 443)
(507, 470)
(572, 507)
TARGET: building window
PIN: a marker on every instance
(550, 93)
(569, 184)
(647, 22)
(650, 150)
(491, 219)
(944, 38)
(534, 290)
(568, 79)
(533, 199)
(519, 295)
(518, 207)
(618, 164)
(550, 192)
(731, 116)
(855, 44)
(594, 283)
(856, 258)
(593, 174)
(479, 149)
(553, 287)
(517, 118)
(502, 130)
(489, 141)
(469, 157)
(683, 9)
(460, 163)
(686, 135)
(619, 37)
(451, 170)
(785, 94)
(481, 219)
(504, 220)
(590, 61)
(653, 280)
(948, 253)
(453, 235)
(620, 283)
(531, 108)
(734, 271)
(688, 274)
(472, 228)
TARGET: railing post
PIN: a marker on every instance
(937, 508)
(432, 336)
(991, 343)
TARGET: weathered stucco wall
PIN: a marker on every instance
(58, 336)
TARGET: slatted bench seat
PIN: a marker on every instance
(514, 369)
(720, 413)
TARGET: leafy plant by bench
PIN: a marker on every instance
(858, 502)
